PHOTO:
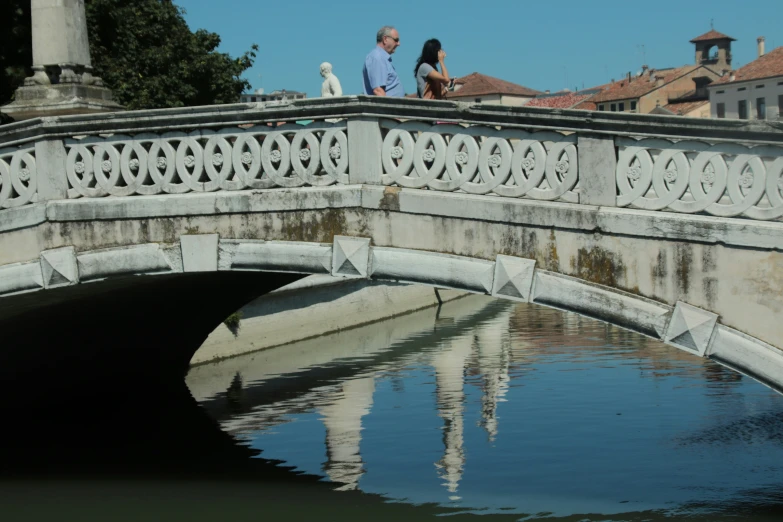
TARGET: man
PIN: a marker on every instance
(380, 77)
(331, 85)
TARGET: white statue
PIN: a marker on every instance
(331, 85)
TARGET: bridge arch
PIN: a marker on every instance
(668, 226)
(199, 279)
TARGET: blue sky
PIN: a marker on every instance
(542, 45)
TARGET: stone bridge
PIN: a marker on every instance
(126, 238)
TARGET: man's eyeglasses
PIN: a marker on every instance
(397, 40)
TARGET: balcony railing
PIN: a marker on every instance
(718, 167)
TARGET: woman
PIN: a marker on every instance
(430, 83)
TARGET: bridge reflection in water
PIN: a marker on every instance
(263, 397)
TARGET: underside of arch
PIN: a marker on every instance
(205, 277)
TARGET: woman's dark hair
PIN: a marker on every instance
(429, 54)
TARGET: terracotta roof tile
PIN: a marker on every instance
(639, 86)
(476, 84)
(684, 107)
(769, 65)
(712, 35)
(564, 101)
(587, 105)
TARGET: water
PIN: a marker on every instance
(515, 412)
(479, 408)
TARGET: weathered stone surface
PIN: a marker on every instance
(620, 308)
(40, 101)
(513, 278)
(626, 266)
(276, 256)
(597, 165)
(59, 32)
(200, 252)
(49, 160)
(750, 356)
(59, 267)
(20, 277)
(150, 258)
(364, 156)
(691, 328)
(350, 256)
(434, 269)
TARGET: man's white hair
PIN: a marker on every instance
(384, 31)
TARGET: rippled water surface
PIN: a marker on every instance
(509, 410)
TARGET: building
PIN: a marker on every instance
(655, 88)
(752, 92)
(278, 96)
(720, 60)
(691, 106)
(674, 91)
(480, 88)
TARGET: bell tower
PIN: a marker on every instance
(713, 49)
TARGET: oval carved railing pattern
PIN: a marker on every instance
(258, 157)
(18, 177)
(723, 180)
(481, 160)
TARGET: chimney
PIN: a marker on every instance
(546, 91)
(761, 41)
(612, 80)
(658, 81)
(644, 69)
(732, 76)
(629, 76)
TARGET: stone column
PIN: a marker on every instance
(62, 80)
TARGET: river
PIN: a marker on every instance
(477, 408)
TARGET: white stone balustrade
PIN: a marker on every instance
(259, 157)
(725, 180)
(18, 177)
(481, 160)
(646, 162)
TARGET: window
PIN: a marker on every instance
(721, 110)
(621, 107)
(760, 86)
(761, 108)
(477, 100)
(603, 108)
(719, 92)
(742, 109)
(780, 105)
(741, 89)
(613, 107)
(633, 105)
(253, 98)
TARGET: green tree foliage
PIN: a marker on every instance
(143, 50)
(16, 53)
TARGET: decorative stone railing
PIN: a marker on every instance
(723, 179)
(719, 167)
(18, 177)
(479, 160)
(259, 157)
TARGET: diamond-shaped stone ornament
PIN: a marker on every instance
(59, 267)
(350, 256)
(691, 328)
(513, 278)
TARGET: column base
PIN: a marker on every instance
(35, 101)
